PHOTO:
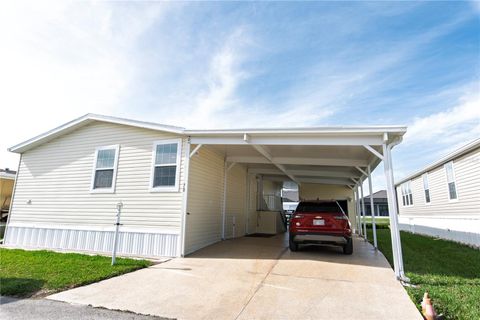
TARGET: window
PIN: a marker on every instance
(331, 207)
(452, 188)
(105, 169)
(407, 196)
(166, 164)
(426, 189)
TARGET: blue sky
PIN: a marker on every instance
(209, 65)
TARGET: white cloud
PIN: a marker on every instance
(224, 75)
(476, 5)
(454, 126)
(60, 60)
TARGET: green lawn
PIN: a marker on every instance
(32, 273)
(378, 220)
(449, 271)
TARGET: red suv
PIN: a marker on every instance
(321, 223)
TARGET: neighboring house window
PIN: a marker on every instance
(105, 169)
(426, 188)
(166, 165)
(407, 197)
(452, 187)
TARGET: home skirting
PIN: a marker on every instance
(144, 244)
(460, 229)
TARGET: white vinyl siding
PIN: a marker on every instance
(54, 182)
(467, 179)
(203, 223)
(235, 211)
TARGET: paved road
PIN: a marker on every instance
(33, 309)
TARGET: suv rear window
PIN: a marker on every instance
(318, 207)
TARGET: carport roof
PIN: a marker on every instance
(324, 155)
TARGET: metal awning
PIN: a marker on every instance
(327, 155)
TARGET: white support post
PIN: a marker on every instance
(375, 152)
(392, 209)
(231, 166)
(361, 170)
(354, 201)
(372, 209)
(195, 150)
(224, 204)
(363, 212)
(247, 205)
(357, 212)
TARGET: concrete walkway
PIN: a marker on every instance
(258, 278)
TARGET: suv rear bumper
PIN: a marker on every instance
(320, 238)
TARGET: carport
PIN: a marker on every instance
(339, 158)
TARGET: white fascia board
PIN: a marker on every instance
(342, 162)
(84, 120)
(137, 123)
(452, 155)
(292, 139)
(324, 130)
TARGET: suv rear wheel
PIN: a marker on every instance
(348, 247)
(292, 245)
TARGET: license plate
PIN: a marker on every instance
(318, 222)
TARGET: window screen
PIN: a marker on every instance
(318, 207)
(407, 196)
(165, 169)
(452, 188)
(105, 168)
(426, 188)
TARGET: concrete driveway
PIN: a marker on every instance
(258, 278)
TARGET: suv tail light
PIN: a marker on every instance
(298, 216)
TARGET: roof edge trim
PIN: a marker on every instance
(84, 120)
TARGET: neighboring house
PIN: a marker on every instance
(7, 181)
(380, 204)
(181, 189)
(443, 199)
